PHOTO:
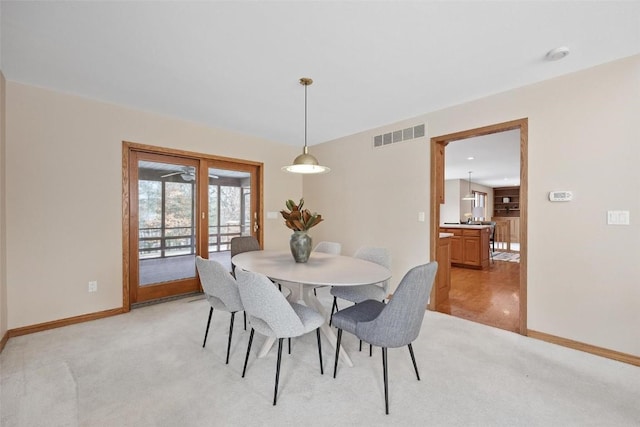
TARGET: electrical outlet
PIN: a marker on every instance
(93, 286)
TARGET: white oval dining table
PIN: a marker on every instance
(321, 269)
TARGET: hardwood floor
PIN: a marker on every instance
(490, 296)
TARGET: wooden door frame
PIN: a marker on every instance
(438, 144)
(127, 149)
(138, 294)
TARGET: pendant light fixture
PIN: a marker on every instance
(305, 163)
(469, 195)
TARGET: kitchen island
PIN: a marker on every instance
(469, 245)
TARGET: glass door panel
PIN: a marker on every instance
(230, 208)
(166, 226)
(180, 205)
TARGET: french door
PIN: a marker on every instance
(177, 206)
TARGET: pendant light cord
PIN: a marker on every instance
(305, 117)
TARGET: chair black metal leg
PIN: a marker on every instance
(360, 349)
(314, 292)
(245, 320)
(415, 366)
(208, 323)
(335, 363)
(334, 307)
(275, 391)
(246, 358)
(384, 373)
(289, 342)
(320, 351)
(233, 315)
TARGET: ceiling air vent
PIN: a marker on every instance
(399, 136)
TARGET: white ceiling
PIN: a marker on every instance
(236, 64)
(493, 160)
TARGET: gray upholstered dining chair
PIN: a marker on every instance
(221, 291)
(328, 248)
(243, 244)
(391, 325)
(356, 294)
(239, 245)
(272, 315)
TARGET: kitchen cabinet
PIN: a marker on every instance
(469, 245)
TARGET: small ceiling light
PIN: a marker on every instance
(557, 53)
(469, 195)
(470, 158)
(305, 163)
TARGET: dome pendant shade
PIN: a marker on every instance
(305, 163)
(469, 195)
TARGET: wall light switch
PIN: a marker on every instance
(420, 216)
(272, 215)
(618, 217)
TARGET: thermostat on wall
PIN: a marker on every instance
(560, 196)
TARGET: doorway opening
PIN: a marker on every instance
(515, 240)
(177, 206)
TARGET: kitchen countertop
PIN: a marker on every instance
(467, 226)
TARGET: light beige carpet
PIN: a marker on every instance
(148, 368)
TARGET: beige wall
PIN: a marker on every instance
(583, 275)
(64, 206)
(63, 197)
(373, 196)
(450, 210)
(3, 224)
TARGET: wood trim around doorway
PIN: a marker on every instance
(127, 149)
(438, 144)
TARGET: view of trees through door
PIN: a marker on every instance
(229, 211)
(166, 222)
(181, 207)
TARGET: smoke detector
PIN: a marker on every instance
(557, 53)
